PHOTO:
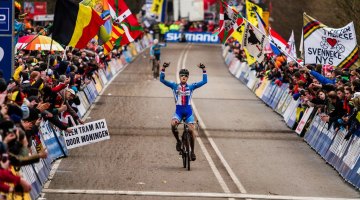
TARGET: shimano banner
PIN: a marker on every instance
(192, 37)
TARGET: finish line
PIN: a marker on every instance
(187, 194)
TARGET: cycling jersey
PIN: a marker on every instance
(155, 50)
(182, 95)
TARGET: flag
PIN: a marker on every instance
(291, 49)
(261, 25)
(251, 10)
(105, 15)
(75, 24)
(263, 28)
(115, 34)
(239, 33)
(254, 41)
(277, 43)
(122, 15)
(158, 8)
(301, 46)
(326, 45)
(249, 58)
(230, 20)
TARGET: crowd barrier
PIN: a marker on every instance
(51, 138)
(343, 155)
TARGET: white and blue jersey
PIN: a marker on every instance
(155, 50)
(182, 94)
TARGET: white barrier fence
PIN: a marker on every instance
(343, 155)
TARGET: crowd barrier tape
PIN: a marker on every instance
(51, 138)
(343, 155)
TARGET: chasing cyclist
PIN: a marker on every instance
(155, 56)
(183, 93)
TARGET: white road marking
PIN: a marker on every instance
(237, 182)
(188, 194)
(201, 144)
(218, 153)
(52, 173)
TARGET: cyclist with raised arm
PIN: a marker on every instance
(182, 94)
(155, 56)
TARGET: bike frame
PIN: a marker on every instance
(186, 144)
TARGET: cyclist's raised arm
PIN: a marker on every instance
(201, 83)
(163, 44)
(170, 84)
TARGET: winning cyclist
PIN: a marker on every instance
(155, 54)
(182, 93)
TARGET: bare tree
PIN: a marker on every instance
(350, 11)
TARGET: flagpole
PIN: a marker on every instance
(37, 35)
(48, 63)
(265, 36)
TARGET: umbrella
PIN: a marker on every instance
(40, 43)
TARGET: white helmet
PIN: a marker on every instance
(156, 41)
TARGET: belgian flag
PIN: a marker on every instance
(75, 24)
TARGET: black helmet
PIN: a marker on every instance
(184, 72)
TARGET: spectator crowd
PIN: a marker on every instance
(334, 93)
(43, 87)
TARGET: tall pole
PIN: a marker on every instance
(48, 62)
(179, 16)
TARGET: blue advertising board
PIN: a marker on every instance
(193, 37)
(5, 18)
(6, 56)
(6, 31)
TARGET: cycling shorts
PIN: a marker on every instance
(157, 56)
(184, 112)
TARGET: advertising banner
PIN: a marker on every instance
(193, 37)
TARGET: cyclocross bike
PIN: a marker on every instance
(155, 68)
(186, 140)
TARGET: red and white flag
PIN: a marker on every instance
(291, 49)
(122, 15)
(230, 20)
(278, 43)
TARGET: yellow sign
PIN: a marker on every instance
(157, 6)
(239, 33)
(251, 10)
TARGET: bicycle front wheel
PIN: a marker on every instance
(188, 138)
(184, 159)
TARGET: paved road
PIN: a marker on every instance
(246, 147)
